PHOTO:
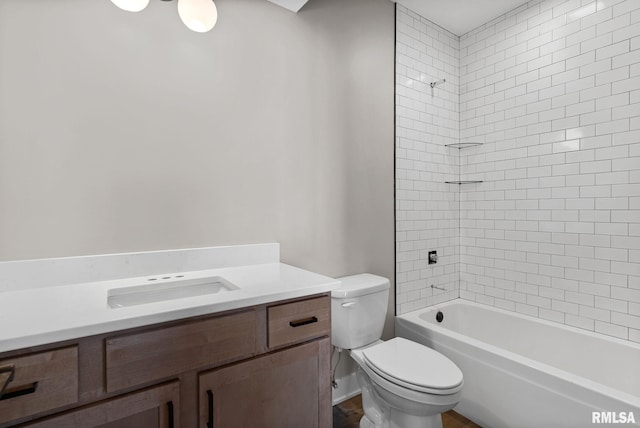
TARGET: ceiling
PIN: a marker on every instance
(461, 16)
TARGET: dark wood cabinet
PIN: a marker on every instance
(262, 366)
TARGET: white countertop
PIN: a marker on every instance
(38, 316)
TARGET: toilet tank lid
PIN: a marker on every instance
(360, 285)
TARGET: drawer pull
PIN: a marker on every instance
(304, 321)
(170, 409)
(6, 376)
(25, 390)
(210, 402)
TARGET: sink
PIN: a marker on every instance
(165, 288)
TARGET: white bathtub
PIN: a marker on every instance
(522, 372)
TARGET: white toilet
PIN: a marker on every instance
(404, 384)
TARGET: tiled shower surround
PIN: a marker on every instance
(552, 89)
(427, 209)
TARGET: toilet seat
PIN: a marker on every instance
(414, 366)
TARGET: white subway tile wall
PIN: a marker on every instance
(552, 89)
(427, 209)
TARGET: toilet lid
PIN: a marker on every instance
(413, 365)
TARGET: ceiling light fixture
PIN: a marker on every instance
(197, 15)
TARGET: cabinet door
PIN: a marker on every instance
(285, 389)
(154, 407)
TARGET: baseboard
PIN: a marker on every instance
(347, 387)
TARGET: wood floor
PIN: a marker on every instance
(348, 414)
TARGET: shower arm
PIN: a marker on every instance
(437, 82)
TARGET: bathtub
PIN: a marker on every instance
(521, 372)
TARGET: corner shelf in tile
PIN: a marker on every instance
(463, 145)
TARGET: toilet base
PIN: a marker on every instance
(405, 421)
(378, 414)
(365, 422)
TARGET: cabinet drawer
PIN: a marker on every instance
(143, 357)
(299, 321)
(41, 382)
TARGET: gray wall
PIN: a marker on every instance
(128, 132)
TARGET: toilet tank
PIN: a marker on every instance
(358, 310)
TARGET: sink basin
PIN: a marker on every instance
(167, 288)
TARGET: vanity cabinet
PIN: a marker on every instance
(262, 366)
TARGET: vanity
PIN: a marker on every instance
(235, 345)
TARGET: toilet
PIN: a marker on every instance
(404, 384)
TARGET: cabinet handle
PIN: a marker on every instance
(304, 321)
(210, 402)
(6, 376)
(170, 409)
(19, 392)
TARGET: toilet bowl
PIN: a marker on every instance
(404, 384)
(409, 385)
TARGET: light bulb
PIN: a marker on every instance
(198, 15)
(131, 5)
